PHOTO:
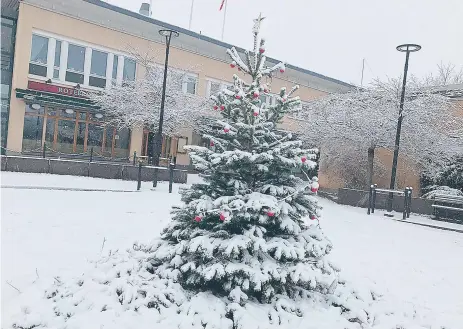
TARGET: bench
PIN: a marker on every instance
(406, 193)
(451, 203)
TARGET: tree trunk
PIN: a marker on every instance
(371, 157)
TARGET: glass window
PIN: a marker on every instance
(121, 143)
(50, 132)
(80, 138)
(97, 82)
(57, 54)
(98, 66)
(190, 85)
(128, 73)
(76, 58)
(214, 88)
(39, 49)
(116, 59)
(95, 137)
(65, 136)
(75, 77)
(108, 141)
(7, 38)
(32, 133)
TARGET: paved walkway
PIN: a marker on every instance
(64, 188)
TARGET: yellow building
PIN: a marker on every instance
(67, 49)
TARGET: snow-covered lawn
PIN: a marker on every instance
(53, 233)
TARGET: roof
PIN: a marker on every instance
(206, 38)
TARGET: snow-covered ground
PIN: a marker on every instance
(50, 233)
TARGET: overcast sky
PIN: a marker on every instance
(332, 37)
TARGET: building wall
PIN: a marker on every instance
(33, 18)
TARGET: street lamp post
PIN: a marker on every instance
(168, 34)
(407, 49)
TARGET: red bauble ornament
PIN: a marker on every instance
(232, 65)
(238, 97)
(282, 70)
(261, 50)
(255, 114)
(222, 107)
(226, 130)
(198, 219)
(303, 159)
(256, 94)
(222, 217)
(211, 143)
(314, 189)
(312, 217)
(270, 213)
(215, 107)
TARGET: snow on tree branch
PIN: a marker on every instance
(138, 103)
(346, 125)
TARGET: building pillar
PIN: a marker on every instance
(136, 140)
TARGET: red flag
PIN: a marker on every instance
(221, 6)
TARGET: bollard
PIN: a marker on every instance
(374, 199)
(410, 191)
(370, 195)
(44, 150)
(91, 154)
(139, 177)
(171, 176)
(134, 157)
(404, 215)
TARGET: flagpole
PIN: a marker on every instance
(191, 14)
(224, 16)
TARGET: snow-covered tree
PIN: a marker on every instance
(137, 103)
(446, 74)
(350, 127)
(249, 232)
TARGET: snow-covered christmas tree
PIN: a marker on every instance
(250, 231)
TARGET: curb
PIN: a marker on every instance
(429, 225)
(64, 189)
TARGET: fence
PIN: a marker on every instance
(89, 168)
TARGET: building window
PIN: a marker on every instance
(181, 143)
(72, 132)
(214, 87)
(128, 73)
(57, 62)
(189, 84)
(75, 66)
(114, 74)
(98, 69)
(39, 53)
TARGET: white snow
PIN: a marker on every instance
(54, 233)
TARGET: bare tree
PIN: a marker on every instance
(447, 74)
(138, 103)
(349, 126)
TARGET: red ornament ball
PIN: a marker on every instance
(282, 70)
(303, 159)
(211, 143)
(215, 107)
(222, 217)
(256, 94)
(255, 114)
(222, 107)
(270, 213)
(314, 189)
(232, 65)
(261, 50)
(238, 97)
(198, 219)
(226, 130)
(313, 217)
